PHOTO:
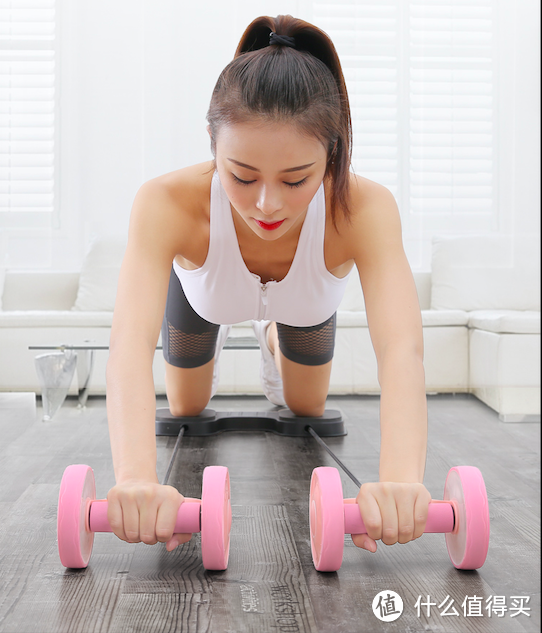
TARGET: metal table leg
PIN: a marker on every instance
(85, 365)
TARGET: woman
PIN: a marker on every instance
(268, 231)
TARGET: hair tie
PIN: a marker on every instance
(281, 40)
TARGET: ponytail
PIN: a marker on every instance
(297, 75)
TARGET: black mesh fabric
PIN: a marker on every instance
(188, 340)
(308, 345)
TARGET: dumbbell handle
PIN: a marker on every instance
(188, 517)
(440, 517)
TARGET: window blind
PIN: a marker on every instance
(27, 113)
(421, 82)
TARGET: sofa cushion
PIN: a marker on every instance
(353, 300)
(99, 275)
(54, 318)
(487, 272)
(506, 321)
(40, 290)
(430, 318)
(441, 318)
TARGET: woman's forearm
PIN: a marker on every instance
(131, 409)
(403, 417)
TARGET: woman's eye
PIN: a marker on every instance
(249, 182)
(242, 182)
(296, 184)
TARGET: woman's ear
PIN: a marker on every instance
(210, 133)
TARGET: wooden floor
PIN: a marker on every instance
(270, 584)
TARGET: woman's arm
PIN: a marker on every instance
(139, 309)
(139, 508)
(395, 326)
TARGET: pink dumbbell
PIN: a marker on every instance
(80, 515)
(463, 516)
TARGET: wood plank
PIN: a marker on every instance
(68, 601)
(255, 606)
(155, 570)
(263, 588)
(131, 587)
(167, 613)
(36, 592)
(17, 414)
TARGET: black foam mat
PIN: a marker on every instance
(281, 422)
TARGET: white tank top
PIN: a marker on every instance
(224, 291)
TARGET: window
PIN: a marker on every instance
(421, 80)
(28, 125)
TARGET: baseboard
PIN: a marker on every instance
(515, 417)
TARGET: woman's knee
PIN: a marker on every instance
(188, 391)
(305, 387)
(185, 407)
(305, 407)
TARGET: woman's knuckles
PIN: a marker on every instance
(149, 539)
(406, 530)
(132, 536)
(164, 534)
(373, 526)
(115, 523)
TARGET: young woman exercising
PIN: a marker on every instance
(268, 231)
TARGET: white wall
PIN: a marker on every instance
(136, 79)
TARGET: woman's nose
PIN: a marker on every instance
(269, 200)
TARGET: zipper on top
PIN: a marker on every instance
(263, 301)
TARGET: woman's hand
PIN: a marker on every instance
(392, 512)
(142, 511)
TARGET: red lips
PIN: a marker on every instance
(268, 226)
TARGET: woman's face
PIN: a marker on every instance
(270, 173)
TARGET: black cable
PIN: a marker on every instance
(175, 449)
(309, 429)
(322, 443)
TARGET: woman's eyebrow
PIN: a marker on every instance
(299, 168)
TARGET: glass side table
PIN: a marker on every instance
(56, 368)
(55, 371)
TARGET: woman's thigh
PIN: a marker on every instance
(305, 387)
(189, 344)
(188, 389)
(304, 358)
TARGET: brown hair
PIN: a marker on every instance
(280, 83)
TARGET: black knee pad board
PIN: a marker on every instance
(281, 422)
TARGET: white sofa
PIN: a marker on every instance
(480, 308)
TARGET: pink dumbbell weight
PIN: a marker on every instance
(80, 515)
(463, 516)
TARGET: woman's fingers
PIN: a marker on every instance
(145, 512)
(392, 512)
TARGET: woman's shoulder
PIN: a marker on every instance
(374, 216)
(366, 198)
(365, 194)
(187, 188)
(171, 211)
(371, 204)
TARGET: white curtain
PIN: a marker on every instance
(422, 79)
(96, 98)
(28, 109)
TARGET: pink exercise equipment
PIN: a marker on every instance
(81, 515)
(463, 516)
